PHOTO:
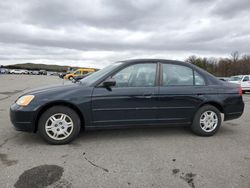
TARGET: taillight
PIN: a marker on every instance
(240, 91)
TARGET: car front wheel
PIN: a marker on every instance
(59, 125)
(207, 121)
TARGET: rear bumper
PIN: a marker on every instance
(234, 115)
(234, 109)
(22, 118)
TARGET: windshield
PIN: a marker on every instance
(97, 75)
(235, 78)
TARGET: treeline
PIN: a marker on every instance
(236, 64)
(32, 66)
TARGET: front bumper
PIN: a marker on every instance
(22, 118)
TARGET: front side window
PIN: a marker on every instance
(177, 75)
(138, 75)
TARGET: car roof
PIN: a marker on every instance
(133, 61)
(152, 60)
(210, 78)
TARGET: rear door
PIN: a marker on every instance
(180, 93)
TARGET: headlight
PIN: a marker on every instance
(25, 100)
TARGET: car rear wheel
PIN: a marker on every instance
(207, 121)
(59, 125)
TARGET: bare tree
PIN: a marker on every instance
(235, 56)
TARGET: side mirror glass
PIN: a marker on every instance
(109, 82)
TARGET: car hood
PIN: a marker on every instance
(52, 89)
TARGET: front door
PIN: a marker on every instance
(132, 101)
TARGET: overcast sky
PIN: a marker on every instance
(94, 33)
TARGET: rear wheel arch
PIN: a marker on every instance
(212, 103)
(59, 103)
(215, 104)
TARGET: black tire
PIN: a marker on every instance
(56, 110)
(71, 77)
(196, 125)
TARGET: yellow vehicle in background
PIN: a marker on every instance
(78, 72)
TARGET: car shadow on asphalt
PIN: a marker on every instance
(112, 134)
(127, 134)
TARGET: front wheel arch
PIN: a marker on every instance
(59, 103)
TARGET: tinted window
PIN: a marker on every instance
(199, 80)
(174, 75)
(138, 75)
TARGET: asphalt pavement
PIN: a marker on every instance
(155, 157)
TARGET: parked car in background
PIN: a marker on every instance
(42, 72)
(51, 73)
(127, 94)
(19, 71)
(62, 74)
(78, 78)
(4, 71)
(34, 72)
(243, 80)
(78, 72)
(223, 78)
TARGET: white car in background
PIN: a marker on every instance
(18, 71)
(243, 80)
(15, 71)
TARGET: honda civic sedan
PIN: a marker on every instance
(134, 93)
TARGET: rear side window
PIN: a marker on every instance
(199, 80)
(177, 75)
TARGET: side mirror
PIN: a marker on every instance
(109, 83)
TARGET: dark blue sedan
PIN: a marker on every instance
(134, 93)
